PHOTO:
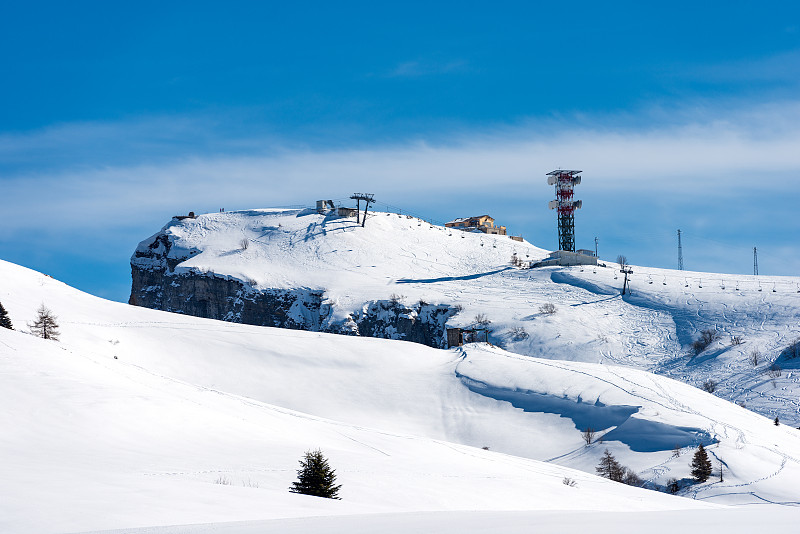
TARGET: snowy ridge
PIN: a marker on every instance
(406, 257)
(187, 402)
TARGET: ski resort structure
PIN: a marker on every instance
(565, 182)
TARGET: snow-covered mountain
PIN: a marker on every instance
(140, 418)
(402, 278)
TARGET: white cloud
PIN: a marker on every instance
(722, 159)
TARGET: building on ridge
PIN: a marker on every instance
(481, 223)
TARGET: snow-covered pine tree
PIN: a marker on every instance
(701, 465)
(316, 477)
(5, 320)
(45, 325)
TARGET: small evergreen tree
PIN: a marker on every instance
(777, 421)
(610, 468)
(5, 321)
(701, 465)
(316, 477)
(45, 325)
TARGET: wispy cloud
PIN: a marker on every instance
(418, 68)
(707, 173)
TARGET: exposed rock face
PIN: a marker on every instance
(424, 323)
(157, 284)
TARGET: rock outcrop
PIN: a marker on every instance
(159, 283)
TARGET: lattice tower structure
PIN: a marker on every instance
(565, 205)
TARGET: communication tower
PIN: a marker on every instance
(755, 261)
(565, 182)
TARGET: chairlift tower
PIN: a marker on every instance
(367, 198)
(565, 205)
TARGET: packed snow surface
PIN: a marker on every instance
(651, 329)
(143, 419)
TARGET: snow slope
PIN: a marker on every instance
(95, 442)
(400, 255)
(98, 442)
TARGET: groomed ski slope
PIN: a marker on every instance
(394, 254)
(98, 442)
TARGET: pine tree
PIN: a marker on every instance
(45, 325)
(315, 477)
(701, 465)
(5, 321)
(610, 468)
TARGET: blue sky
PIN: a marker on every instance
(115, 116)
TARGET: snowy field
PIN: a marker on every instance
(144, 419)
(652, 329)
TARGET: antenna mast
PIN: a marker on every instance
(680, 252)
(565, 182)
(755, 261)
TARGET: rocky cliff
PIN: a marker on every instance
(160, 282)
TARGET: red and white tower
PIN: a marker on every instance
(565, 182)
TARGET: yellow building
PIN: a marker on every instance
(481, 223)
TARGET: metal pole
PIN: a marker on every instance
(755, 261)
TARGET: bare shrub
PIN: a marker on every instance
(673, 486)
(547, 309)
(588, 436)
(518, 333)
(710, 385)
(755, 357)
(774, 370)
(676, 451)
(485, 448)
(622, 260)
(569, 482)
(792, 351)
(631, 478)
(482, 320)
(244, 244)
(706, 338)
(249, 483)
(223, 480)
(736, 340)
(396, 300)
